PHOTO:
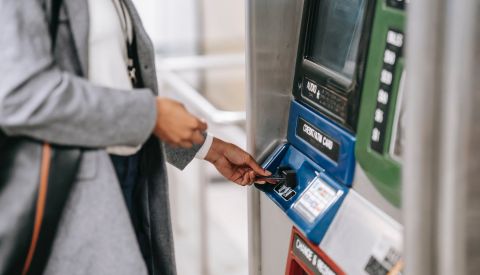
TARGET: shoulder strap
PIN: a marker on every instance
(55, 14)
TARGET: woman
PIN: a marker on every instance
(92, 84)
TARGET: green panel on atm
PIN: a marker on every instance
(379, 135)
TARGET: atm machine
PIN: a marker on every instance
(325, 80)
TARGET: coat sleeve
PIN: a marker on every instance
(180, 157)
(39, 100)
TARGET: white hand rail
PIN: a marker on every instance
(167, 69)
(201, 62)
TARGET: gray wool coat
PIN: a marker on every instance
(45, 96)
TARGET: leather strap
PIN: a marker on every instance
(58, 170)
(40, 205)
(55, 185)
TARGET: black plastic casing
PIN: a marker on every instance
(341, 98)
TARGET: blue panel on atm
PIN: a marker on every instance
(315, 199)
(329, 145)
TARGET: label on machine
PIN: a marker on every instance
(325, 98)
(385, 258)
(318, 139)
(307, 258)
(284, 191)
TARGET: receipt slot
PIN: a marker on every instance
(305, 258)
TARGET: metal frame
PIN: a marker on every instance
(441, 160)
(271, 38)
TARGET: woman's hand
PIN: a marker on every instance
(233, 163)
(176, 126)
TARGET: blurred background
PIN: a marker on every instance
(200, 52)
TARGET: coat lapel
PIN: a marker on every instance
(145, 51)
(77, 11)
(79, 23)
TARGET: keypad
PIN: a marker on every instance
(393, 50)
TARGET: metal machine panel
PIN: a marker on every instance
(275, 229)
(272, 36)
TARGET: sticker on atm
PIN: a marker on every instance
(310, 258)
(318, 139)
(284, 191)
(328, 100)
(318, 197)
(386, 257)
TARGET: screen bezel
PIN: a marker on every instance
(344, 88)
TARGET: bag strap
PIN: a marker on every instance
(58, 170)
(55, 17)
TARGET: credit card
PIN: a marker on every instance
(269, 179)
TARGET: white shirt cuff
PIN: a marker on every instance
(202, 153)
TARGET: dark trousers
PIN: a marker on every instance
(127, 169)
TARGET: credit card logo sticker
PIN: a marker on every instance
(318, 139)
(284, 191)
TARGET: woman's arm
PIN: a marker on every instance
(38, 100)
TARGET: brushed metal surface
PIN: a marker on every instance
(424, 49)
(441, 190)
(273, 31)
(458, 241)
(272, 37)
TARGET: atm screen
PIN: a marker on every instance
(335, 35)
